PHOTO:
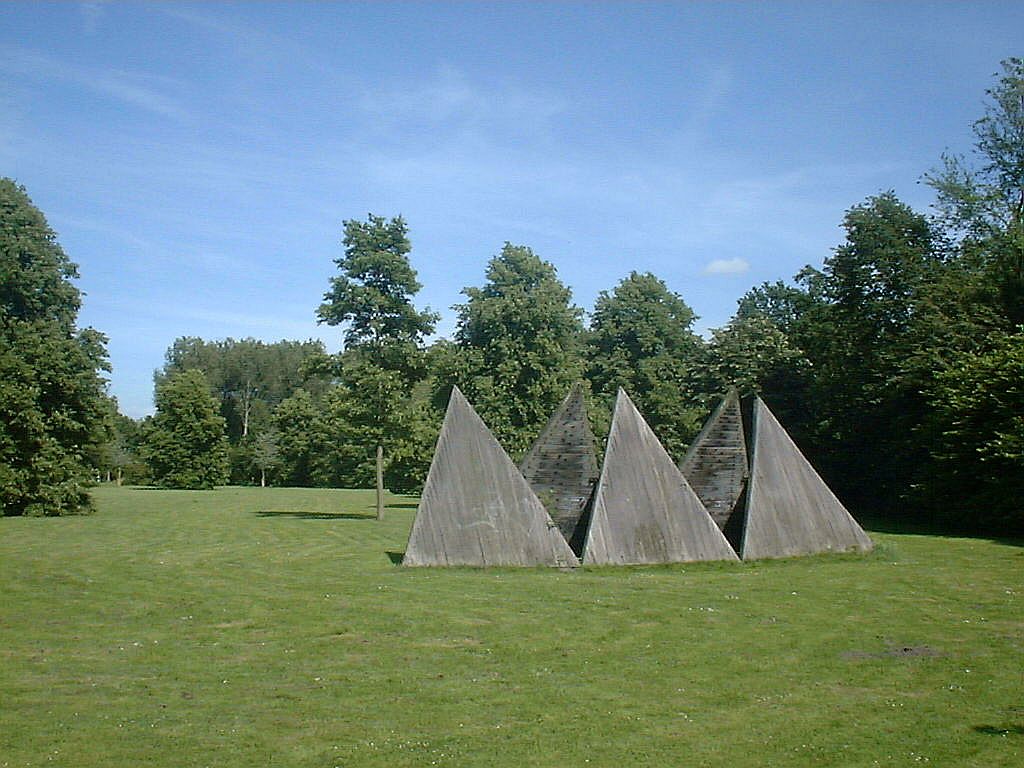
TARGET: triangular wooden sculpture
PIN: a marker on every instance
(561, 467)
(476, 507)
(790, 510)
(715, 466)
(644, 511)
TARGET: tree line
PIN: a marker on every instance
(897, 364)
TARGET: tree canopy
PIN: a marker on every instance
(641, 339)
(517, 346)
(373, 292)
(186, 445)
(54, 410)
(981, 203)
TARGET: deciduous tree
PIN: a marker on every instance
(53, 407)
(981, 203)
(383, 357)
(517, 346)
(641, 339)
(186, 445)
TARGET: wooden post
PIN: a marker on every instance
(380, 482)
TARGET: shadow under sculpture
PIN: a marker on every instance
(770, 502)
(476, 507)
(561, 467)
(644, 510)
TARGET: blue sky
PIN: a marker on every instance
(197, 160)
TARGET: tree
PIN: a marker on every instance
(53, 405)
(979, 446)
(373, 294)
(982, 204)
(750, 352)
(641, 339)
(302, 440)
(383, 357)
(517, 346)
(752, 355)
(967, 325)
(786, 306)
(247, 376)
(367, 409)
(120, 454)
(265, 454)
(186, 446)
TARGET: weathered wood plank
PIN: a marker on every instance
(790, 510)
(715, 465)
(476, 507)
(561, 466)
(644, 511)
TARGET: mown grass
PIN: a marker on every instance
(252, 627)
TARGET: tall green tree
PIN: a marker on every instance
(53, 407)
(641, 339)
(372, 296)
(303, 441)
(857, 335)
(762, 350)
(186, 444)
(967, 327)
(383, 358)
(981, 202)
(517, 346)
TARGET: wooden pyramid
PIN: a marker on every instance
(476, 507)
(790, 510)
(716, 463)
(561, 467)
(644, 511)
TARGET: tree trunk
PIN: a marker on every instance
(246, 405)
(120, 477)
(263, 478)
(380, 482)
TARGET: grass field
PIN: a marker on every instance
(271, 627)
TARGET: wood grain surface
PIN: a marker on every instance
(790, 511)
(644, 511)
(476, 507)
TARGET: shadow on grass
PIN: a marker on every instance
(300, 515)
(395, 557)
(993, 730)
(401, 505)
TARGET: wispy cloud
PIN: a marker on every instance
(735, 266)
(450, 96)
(124, 87)
(256, 44)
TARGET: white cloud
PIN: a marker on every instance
(735, 266)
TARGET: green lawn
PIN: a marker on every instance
(271, 627)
